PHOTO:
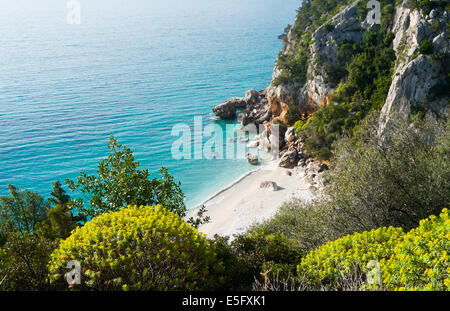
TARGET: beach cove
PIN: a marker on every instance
(244, 202)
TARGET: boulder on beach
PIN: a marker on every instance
(269, 185)
(252, 158)
(289, 159)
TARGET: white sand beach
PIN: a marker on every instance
(243, 203)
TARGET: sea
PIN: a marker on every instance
(74, 72)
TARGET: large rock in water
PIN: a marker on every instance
(225, 111)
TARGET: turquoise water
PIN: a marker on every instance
(131, 69)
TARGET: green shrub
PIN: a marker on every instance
(138, 248)
(257, 247)
(374, 183)
(23, 262)
(420, 261)
(254, 253)
(292, 115)
(329, 27)
(426, 47)
(324, 266)
(306, 224)
(392, 182)
(426, 5)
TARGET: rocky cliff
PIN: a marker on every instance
(420, 40)
(416, 74)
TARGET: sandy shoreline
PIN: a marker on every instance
(236, 207)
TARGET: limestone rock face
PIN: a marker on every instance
(415, 75)
(315, 92)
(346, 26)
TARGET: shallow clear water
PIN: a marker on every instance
(132, 69)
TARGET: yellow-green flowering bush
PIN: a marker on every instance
(325, 265)
(420, 261)
(138, 248)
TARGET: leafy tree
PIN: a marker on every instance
(120, 182)
(60, 220)
(21, 212)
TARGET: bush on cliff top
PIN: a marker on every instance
(421, 260)
(323, 267)
(386, 258)
(138, 248)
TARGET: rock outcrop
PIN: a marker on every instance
(253, 105)
(416, 74)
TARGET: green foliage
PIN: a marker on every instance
(417, 260)
(257, 247)
(396, 181)
(363, 72)
(23, 262)
(426, 5)
(30, 230)
(261, 253)
(373, 183)
(436, 26)
(323, 266)
(21, 212)
(420, 261)
(306, 224)
(200, 218)
(284, 36)
(120, 182)
(329, 27)
(292, 115)
(294, 70)
(60, 220)
(426, 47)
(138, 248)
(237, 274)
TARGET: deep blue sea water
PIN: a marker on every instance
(133, 69)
